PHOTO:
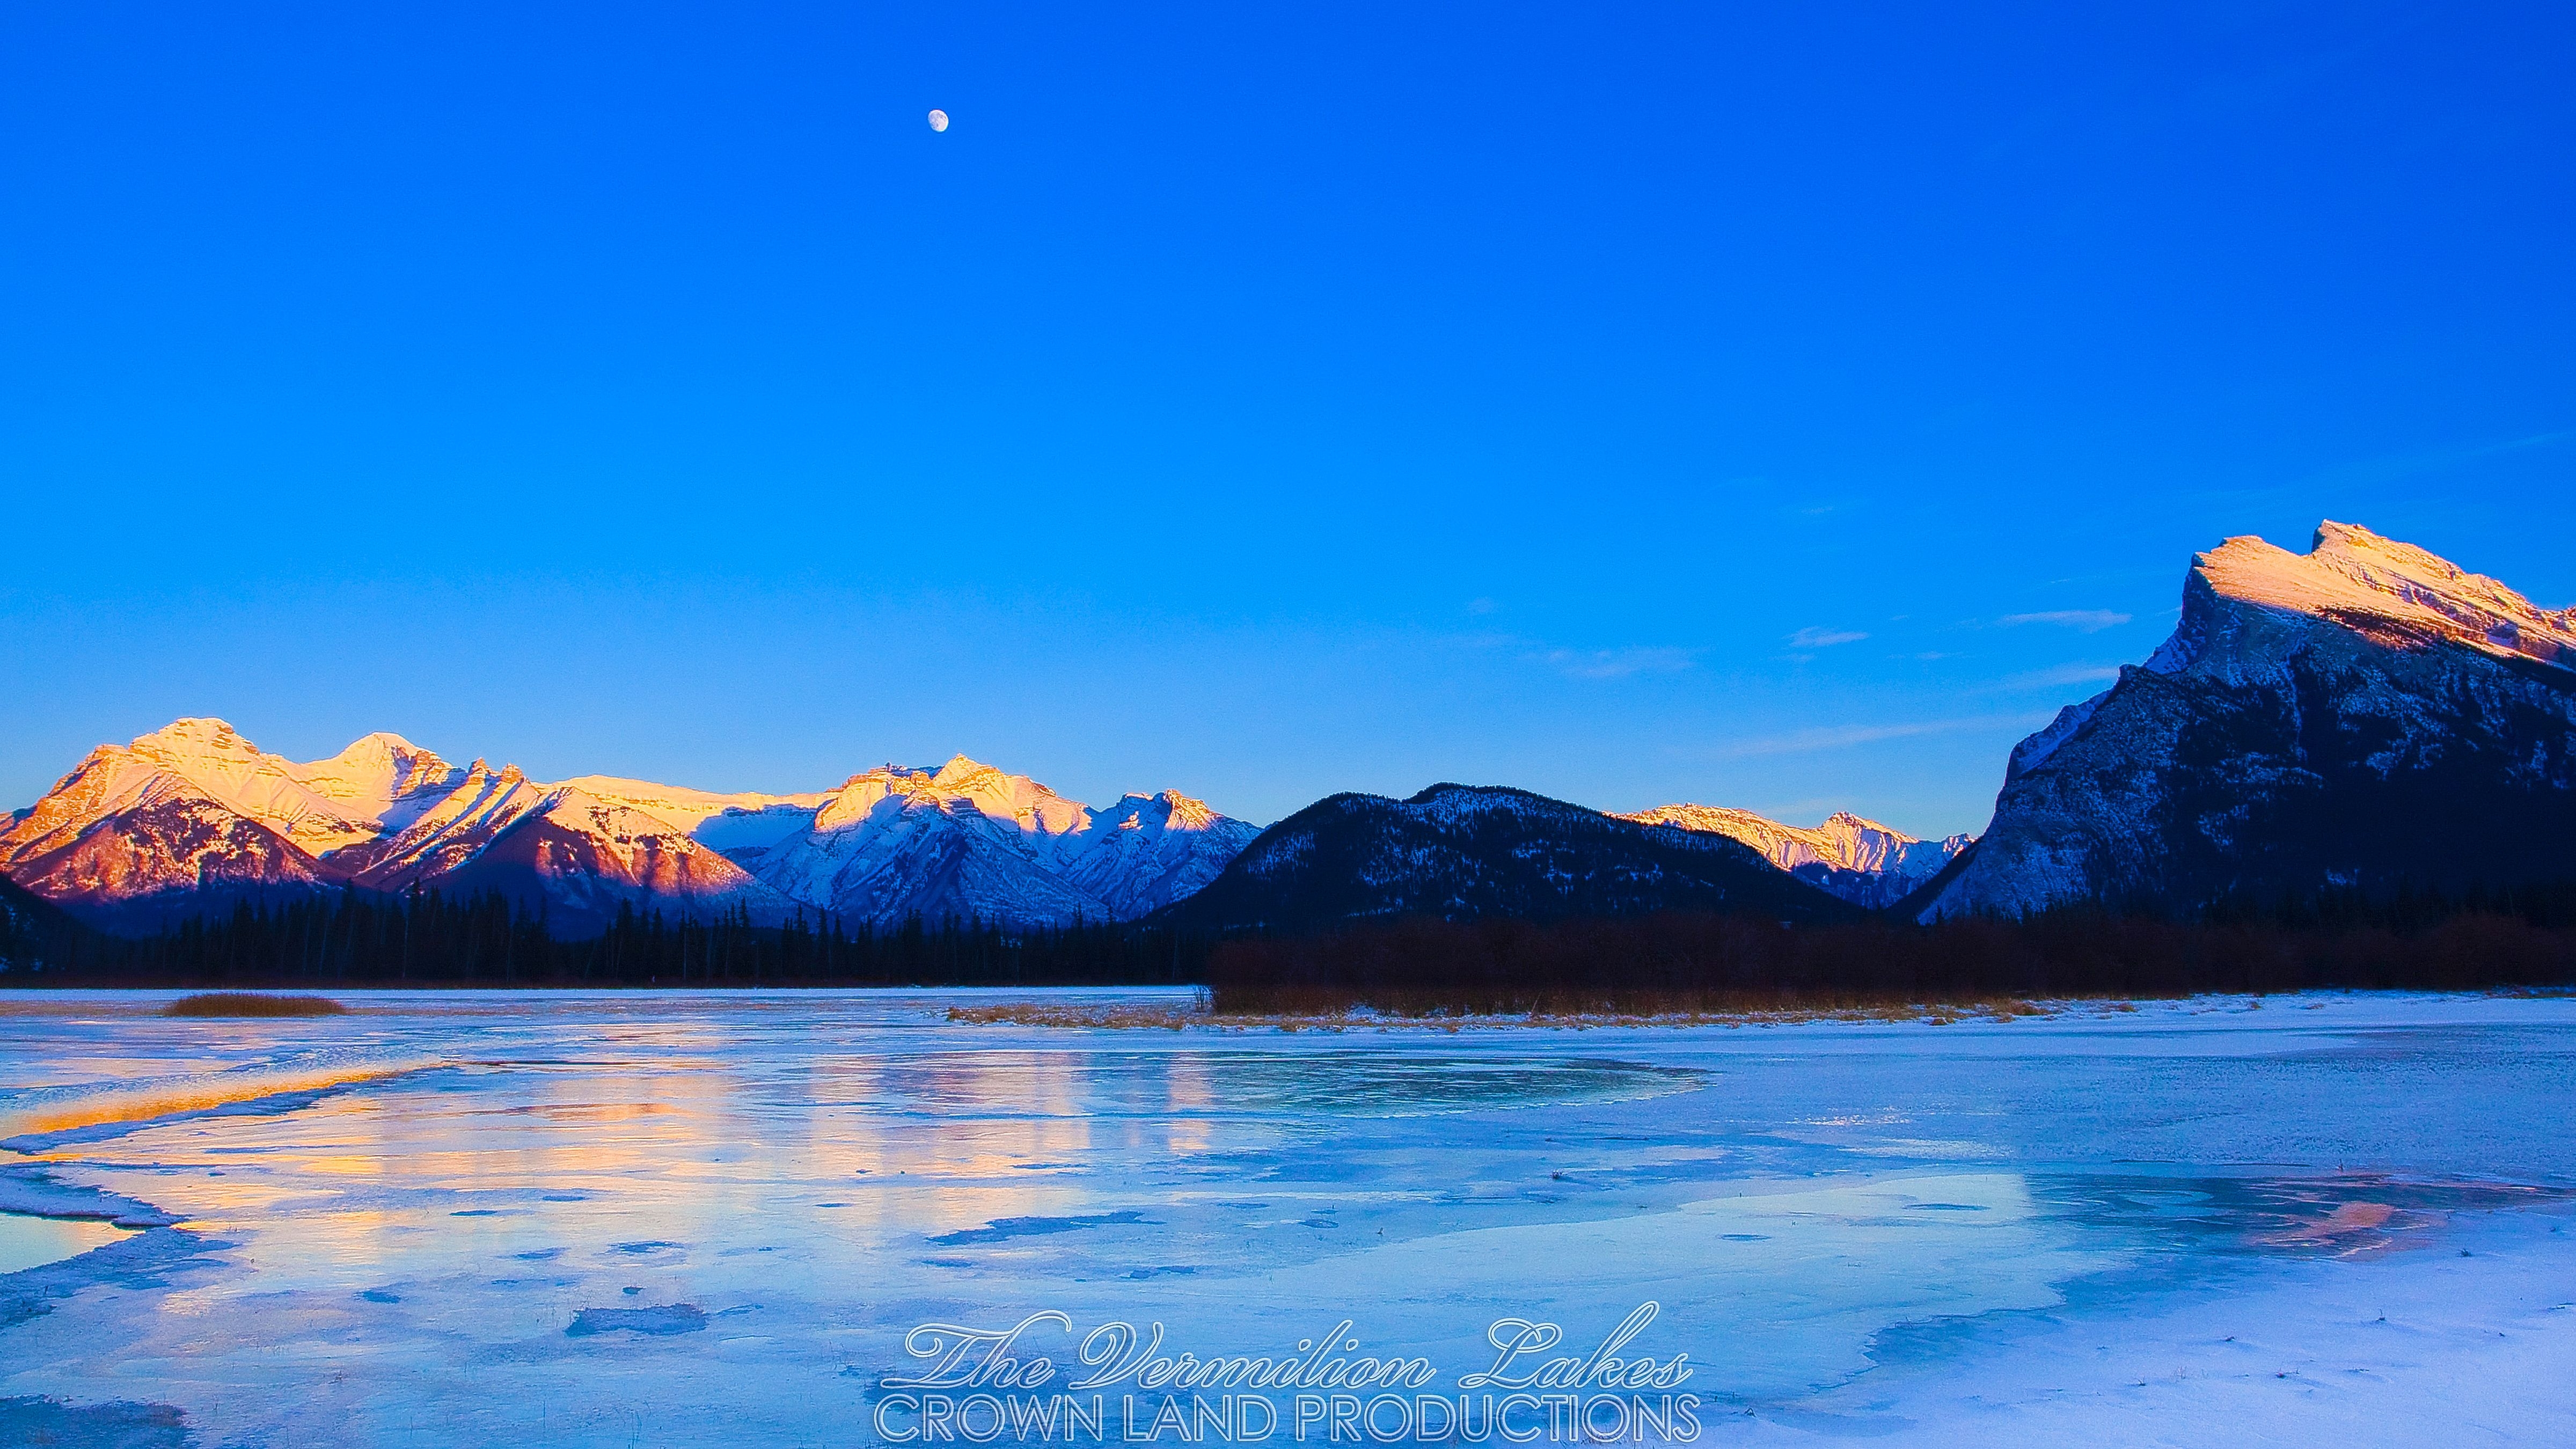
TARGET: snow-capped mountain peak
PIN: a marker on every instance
(969, 839)
(1180, 812)
(961, 782)
(2366, 715)
(194, 738)
(687, 810)
(1852, 856)
(378, 781)
(959, 770)
(2391, 593)
(380, 778)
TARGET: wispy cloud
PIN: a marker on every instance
(1841, 737)
(2091, 621)
(1617, 663)
(1818, 637)
(1481, 606)
(2060, 676)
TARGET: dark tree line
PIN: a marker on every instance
(1672, 961)
(1680, 961)
(425, 939)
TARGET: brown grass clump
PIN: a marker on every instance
(252, 1003)
(1038, 1013)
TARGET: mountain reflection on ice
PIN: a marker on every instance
(639, 1218)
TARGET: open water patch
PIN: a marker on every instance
(27, 1241)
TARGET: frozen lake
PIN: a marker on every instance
(549, 1218)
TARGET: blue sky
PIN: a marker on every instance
(1779, 406)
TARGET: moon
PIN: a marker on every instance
(939, 120)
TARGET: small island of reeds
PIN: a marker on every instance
(252, 1003)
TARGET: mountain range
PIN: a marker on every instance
(193, 817)
(2364, 716)
(1859, 860)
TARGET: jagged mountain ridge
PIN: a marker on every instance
(1465, 851)
(1849, 856)
(375, 784)
(192, 817)
(967, 839)
(2364, 716)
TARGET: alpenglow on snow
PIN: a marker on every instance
(192, 817)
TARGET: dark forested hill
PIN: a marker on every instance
(1462, 852)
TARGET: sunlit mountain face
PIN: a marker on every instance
(2364, 716)
(1857, 859)
(193, 817)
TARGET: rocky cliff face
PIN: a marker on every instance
(2364, 715)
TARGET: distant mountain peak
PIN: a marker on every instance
(195, 737)
(972, 839)
(1185, 813)
(381, 742)
(960, 768)
(1849, 855)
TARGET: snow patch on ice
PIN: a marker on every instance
(48, 1110)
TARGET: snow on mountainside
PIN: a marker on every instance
(581, 857)
(1859, 860)
(375, 783)
(1147, 851)
(967, 839)
(193, 817)
(693, 811)
(2364, 715)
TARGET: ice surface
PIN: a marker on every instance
(659, 1219)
